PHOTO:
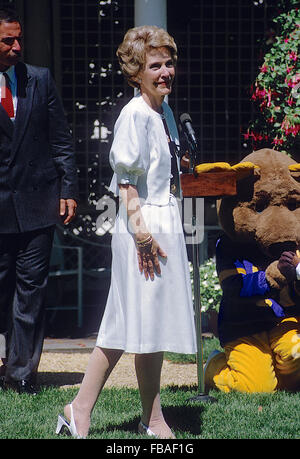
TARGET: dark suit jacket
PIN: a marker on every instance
(37, 165)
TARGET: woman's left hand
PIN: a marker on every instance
(148, 259)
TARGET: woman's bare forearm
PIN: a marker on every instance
(131, 200)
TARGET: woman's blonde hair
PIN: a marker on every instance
(137, 42)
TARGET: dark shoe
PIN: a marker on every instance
(2, 376)
(23, 387)
(2, 370)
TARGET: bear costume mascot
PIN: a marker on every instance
(258, 265)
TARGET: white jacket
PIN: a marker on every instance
(140, 152)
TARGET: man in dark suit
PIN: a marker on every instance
(38, 189)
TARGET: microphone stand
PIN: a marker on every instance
(201, 396)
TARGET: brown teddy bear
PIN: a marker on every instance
(258, 267)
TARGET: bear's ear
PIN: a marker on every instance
(295, 171)
(212, 167)
(245, 170)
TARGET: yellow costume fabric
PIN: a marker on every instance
(263, 362)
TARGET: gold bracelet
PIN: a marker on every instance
(148, 238)
(147, 243)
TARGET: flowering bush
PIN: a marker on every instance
(277, 89)
(210, 290)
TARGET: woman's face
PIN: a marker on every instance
(157, 77)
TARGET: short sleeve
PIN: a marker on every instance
(129, 154)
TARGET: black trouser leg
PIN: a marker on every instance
(28, 310)
(7, 287)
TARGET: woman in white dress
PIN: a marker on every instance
(149, 308)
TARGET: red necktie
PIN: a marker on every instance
(6, 97)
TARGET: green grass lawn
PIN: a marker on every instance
(117, 413)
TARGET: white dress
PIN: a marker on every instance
(145, 316)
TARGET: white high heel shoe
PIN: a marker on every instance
(70, 426)
(143, 429)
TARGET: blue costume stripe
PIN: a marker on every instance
(254, 284)
(277, 309)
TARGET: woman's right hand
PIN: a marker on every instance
(148, 260)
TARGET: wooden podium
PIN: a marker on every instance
(206, 184)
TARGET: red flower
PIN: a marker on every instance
(293, 56)
(264, 68)
(277, 141)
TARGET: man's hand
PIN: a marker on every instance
(67, 209)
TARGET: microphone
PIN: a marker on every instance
(189, 132)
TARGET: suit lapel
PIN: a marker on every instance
(26, 85)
